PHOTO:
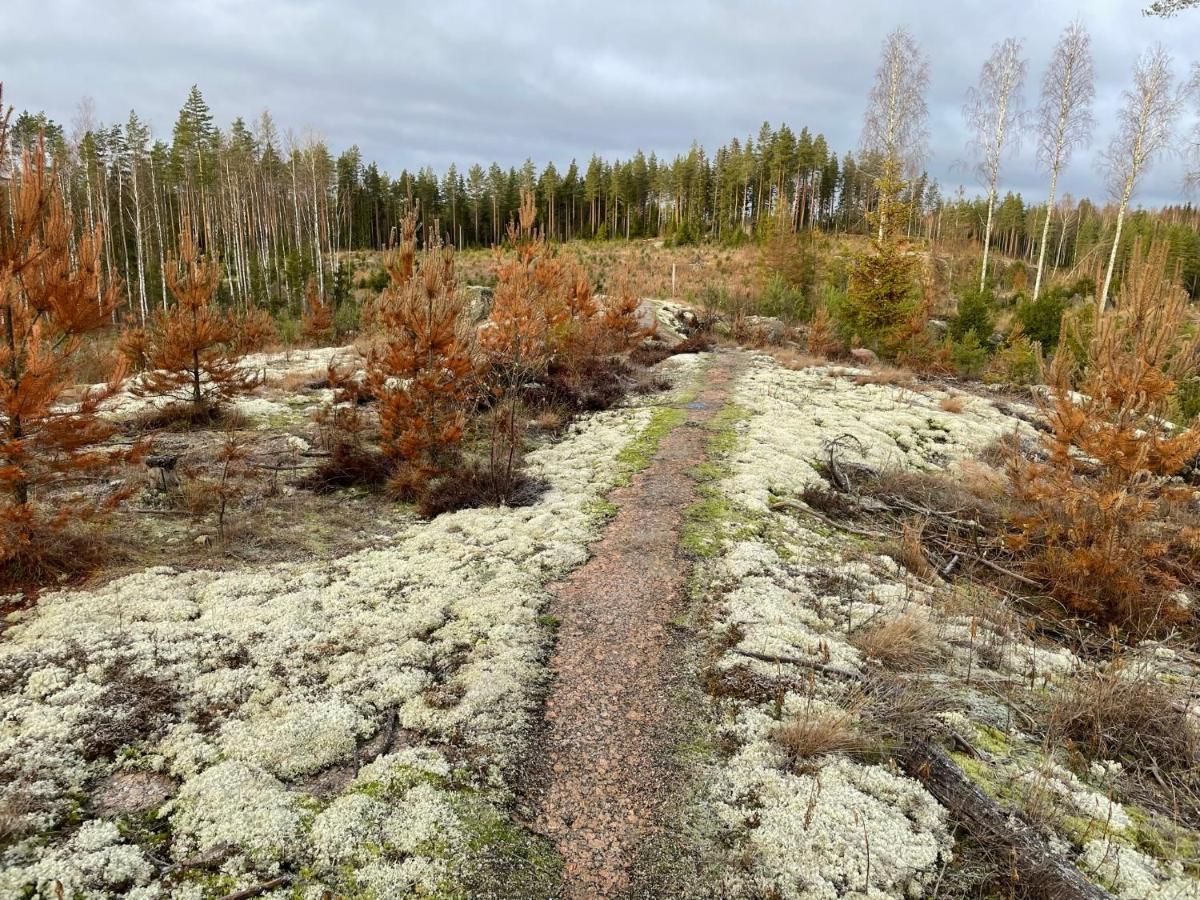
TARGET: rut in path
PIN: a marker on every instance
(605, 766)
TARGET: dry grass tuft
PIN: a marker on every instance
(820, 732)
(797, 360)
(906, 642)
(909, 549)
(888, 375)
(296, 382)
(1130, 716)
(349, 465)
(187, 417)
(55, 553)
(952, 403)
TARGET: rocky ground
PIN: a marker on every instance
(407, 713)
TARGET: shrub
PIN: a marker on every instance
(789, 273)
(783, 300)
(51, 300)
(970, 357)
(254, 331)
(132, 346)
(375, 281)
(882, 298)
(1187, 401)
(976, 312)
(1041, 319)
(1098, 534)
(530, 315)
(1018, 361)
(883, 308)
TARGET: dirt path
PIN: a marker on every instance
(605, 764)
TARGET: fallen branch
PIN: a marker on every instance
(795, 505)
(824, 668)
(1037, 867)
(258, 889)
(1000, 570)
(210, 857)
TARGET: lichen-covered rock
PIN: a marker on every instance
(845, 829)
(239, 805)
(781, 587)
(1132, 875)
(796, 412)
(249, 685)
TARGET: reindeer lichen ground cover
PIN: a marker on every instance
(786, 600)
(355, 722)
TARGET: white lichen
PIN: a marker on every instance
(272, 677)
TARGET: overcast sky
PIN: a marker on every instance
(435, 82)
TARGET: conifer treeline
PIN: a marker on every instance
(279, 210)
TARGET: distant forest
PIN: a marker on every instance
(278, 210)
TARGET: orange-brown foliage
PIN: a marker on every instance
(254, 331)
(317, 323)
(547, 324)
(421, 371)
(132, 346)
(1100, 534)
(192, 349)
(50, 300)
(821, 339)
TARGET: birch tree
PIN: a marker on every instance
(1192, 179)
(994, 116)
(1145, 125)
(895, 122)
(1064, 117)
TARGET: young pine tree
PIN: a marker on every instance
(253, 331)
(530, 317)
(421, 371)
(191, 349)
(1096, 534)
(317, 323)
(50, 302)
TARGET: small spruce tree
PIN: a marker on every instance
(883, 296)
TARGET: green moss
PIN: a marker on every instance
(1081, 829)
(724, 427)
(602, 510)
(548, 621)
(698, 748)
(707, 524)
(502, 859)
(1162, 839)
(637, 454)
(992, 740)
(708, 472)
(401, 779)
(147, 829)
(981, 774)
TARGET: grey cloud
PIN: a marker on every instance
(418, 83)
